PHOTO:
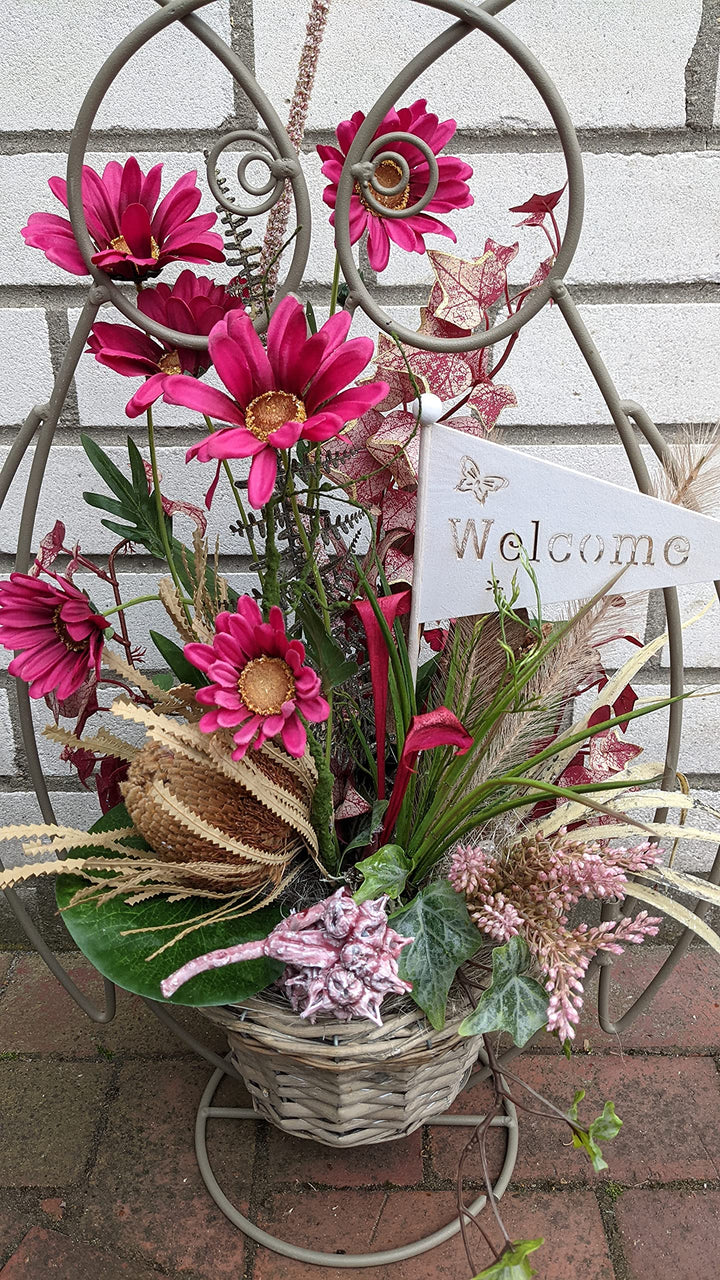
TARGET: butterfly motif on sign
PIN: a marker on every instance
(474, 482)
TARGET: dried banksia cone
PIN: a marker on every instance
(194, 811)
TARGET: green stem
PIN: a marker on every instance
(322, 596)
(335, 286)
(240, 506)
(162, 522)
(117, 608)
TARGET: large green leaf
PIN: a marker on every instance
(176, 660)
(383, 872)
(98, 932)
(444, 938)
(513, 1265)
(513, 1002)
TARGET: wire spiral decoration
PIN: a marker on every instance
(266, 153)
(366, 171)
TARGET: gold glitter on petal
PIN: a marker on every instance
(265, 684)
(170, 362)
(271, 410)
(387, 174)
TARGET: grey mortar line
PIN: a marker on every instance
(56, 297)
(702, 70)
(242, 37)
(59, 338)
(610, 140)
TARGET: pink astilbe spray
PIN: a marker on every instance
(341, 957)
(530, 891)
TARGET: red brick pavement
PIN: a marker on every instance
(98, 1179)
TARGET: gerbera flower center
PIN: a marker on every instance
(271, 410)
(170, 362)
(265, 684)
(120, 245)
(61, 631)
(387, 174)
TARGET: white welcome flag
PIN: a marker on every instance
(479, 502)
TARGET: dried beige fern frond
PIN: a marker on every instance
(690, 474)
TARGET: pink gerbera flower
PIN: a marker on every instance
(452, 192)
(194, 305)
(259, 682)
(297, 388)
(134, 239)
(57, 630)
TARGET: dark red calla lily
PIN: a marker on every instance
(391, 607)
(438, 728)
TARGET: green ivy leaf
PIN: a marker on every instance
(513, 1264)
(513, 1002)
(101, 933)
(604, 1128)
(444, 938)
(177, 662)
(384, 872)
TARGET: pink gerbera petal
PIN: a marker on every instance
(133, 238)
(256, 707)
(452, 193)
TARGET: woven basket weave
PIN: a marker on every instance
(346, 1084)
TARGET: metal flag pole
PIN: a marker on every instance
(428, 410)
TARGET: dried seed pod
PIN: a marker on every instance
(193, 812)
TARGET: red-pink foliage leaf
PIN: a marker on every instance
(49, 549)
(471, 286)
(396, 445)
(399, 508)
(538, 207)
(489, 400)
(542, 272)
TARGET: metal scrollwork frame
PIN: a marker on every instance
(275, 151)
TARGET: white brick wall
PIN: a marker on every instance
(595, 63)
(26, 377)
(648, 264)
(48, 90)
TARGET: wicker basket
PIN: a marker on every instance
(346, 1084)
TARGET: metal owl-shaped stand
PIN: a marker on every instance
(275, 150)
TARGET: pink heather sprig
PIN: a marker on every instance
(530, 892)
(280, 213)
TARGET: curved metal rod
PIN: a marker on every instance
(610, 395)
(480, 19)
(314, 1257)
(27, 521)
(611, 911)
(19, 447)
(622, 411)
(38, 942)
(46, 418)
(171, 11)
(163, 1014)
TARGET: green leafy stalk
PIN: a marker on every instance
(161, 517)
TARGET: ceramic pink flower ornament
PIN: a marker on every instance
(341, 957)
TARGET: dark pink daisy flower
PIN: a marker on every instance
(134, 239)
(408, 233)
(194, 304)
(57, 630)
(260, 686)
(298, 388)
